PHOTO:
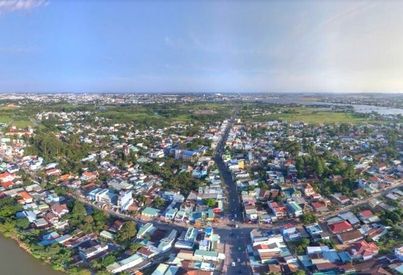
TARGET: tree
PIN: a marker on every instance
(301, 245)
(110, 259)
(127, 232)
(22, 223)
(9, 207)
(300, 166)
(158, 202)
(88, 224)
(210, 202)
(319, 166)
(308, 218)
(135, 246)
(100, 219)
(78, 213)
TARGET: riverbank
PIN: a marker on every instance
(16, 258)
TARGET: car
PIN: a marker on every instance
(238, 260)
(233, 264)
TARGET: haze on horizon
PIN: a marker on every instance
(195, 46)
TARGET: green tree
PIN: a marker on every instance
(158, 202)
(127, 232)
(308, 218)
(78, 213)
(210, 202)
(9, 207)
(22, 223)
(110, 259)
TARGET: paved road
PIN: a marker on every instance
(235, 239)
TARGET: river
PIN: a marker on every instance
(359, 108)
(15, 261)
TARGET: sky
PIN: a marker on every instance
(201, 46)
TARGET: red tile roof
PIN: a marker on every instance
(340, 227)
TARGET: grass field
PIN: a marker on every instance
(19, 123)
(314, 116)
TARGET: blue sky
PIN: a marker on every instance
(200, 46)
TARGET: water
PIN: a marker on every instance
(377, 109)
(15, 261)
(359, 108)
(364, 108)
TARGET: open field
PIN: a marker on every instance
(307, 115)
(313, 116)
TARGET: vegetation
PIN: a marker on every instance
(127, 232)
(308, 218)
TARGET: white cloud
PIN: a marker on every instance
(16, 5)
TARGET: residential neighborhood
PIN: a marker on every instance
(233, 190)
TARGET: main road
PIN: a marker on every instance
(234, 239)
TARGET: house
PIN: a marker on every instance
(107, 235)
(187, 239)
(125, 264)
(319, 206)
(340, 227)
(340, 198)
(166, 243)
(203, 255)
(170, 213)
(350, 236)
(89, 176)
(53, 172)
(294, 209)
(148, 228)
(363, 250)
(30, 215)
(367, 216)
(6, 176)
(308, 190)
(91, 249)
(150, 212)
(59, 209)
(350, 217)
(147, 252)
(278, 209)
(24, 197)
(399, 253)
(125, 200)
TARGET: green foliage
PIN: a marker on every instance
(308, 218)
(100, 219)
(135, 246)
(301, 245)
(58, 256)
(158, 203)
(9, 207)
(394, 238)
(22, 223)
(68, 151)
(391, 218)
(78, 213)
(127, 232)
(210, 202)
(197, 143)
(109, 259)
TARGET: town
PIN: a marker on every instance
(203, 183)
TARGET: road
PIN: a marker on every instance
(360, 203)
(235, 239)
